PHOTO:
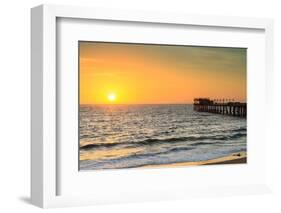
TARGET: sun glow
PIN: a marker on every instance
(115, 73)
(111, 97)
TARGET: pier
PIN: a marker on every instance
(220, 106)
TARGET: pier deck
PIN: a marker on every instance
(221, 106)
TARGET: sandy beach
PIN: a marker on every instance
(236, 158)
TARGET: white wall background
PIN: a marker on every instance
(15, 103)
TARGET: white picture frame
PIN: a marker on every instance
(45, 168)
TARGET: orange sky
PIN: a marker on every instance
(159, 74)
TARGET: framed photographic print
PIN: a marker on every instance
(129, 106)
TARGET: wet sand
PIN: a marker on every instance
(236, 158)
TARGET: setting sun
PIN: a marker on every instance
(111, 97)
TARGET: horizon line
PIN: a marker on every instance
(134, 103)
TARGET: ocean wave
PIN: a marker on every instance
(157, 141)
(141, 155)
(241, 129)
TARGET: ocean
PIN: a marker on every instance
(132, 136)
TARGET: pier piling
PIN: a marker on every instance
(223, 107)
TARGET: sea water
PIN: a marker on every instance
(131, 136)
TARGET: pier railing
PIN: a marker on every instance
(220, 106)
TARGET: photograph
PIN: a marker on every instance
(145, 105)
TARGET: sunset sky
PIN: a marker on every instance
(159, 74)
